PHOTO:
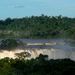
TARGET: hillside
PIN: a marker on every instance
(38, 27)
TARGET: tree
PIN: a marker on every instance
(23, 55)
(42, 58)
(10, 44)
(70, 70)
(8, 21)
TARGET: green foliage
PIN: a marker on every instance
(42, 58)
(70, 70)
(11, 44)
(23, 55)
(33, 67)
(38, 27)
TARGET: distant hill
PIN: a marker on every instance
(38, 27)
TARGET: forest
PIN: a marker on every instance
(38, 27)
(38, 66)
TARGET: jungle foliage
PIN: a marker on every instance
(38, 66)
(11, 44)
(38, 27)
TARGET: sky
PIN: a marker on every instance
(23, 8)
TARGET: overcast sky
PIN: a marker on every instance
(22, 8)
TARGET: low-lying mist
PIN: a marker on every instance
(58, 50)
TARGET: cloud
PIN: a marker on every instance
(19, 6)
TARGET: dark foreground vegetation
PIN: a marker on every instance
(38, 27)
(11, 44)
(38, 66)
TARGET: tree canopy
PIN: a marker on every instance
(11, 44)
(37, 67)
(38, 27)
(23, 55)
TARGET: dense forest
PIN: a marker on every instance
(38, 27)
(38, 66)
